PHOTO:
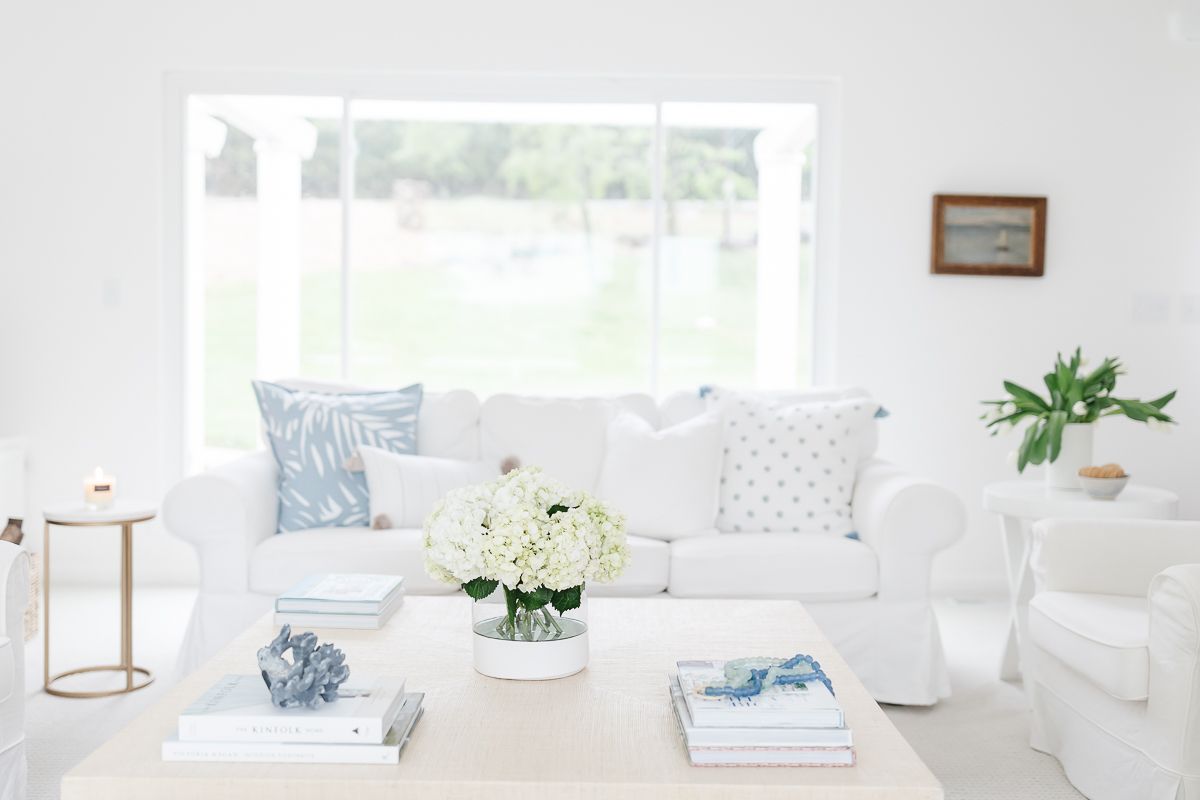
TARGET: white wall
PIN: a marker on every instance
(1086, 102)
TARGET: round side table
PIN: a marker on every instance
(1022, 503)
(123, 515)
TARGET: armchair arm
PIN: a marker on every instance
(8, 669)
(224, 513)
(1110, 556)
(906, 520)
(1173, 710)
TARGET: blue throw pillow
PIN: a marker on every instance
(312, 434)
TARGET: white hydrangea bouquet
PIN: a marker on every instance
(529, 534)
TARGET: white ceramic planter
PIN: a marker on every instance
(531, 661)
(1063, 472)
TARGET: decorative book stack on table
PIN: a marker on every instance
(747, 724)
(357, 602)
(236, 721)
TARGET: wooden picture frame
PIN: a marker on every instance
(988, 235)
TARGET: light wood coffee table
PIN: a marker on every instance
(607, 732)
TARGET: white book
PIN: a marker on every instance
(238, 709)
(805, 705)
(760, 756)
(349, 621)
(388, 752)
(340, 593)
(725, 738)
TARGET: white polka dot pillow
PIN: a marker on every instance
(789, 467)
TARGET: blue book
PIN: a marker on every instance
(341, 594)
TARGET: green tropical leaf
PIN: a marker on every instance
(1054, 432)
(566, 599)
(1022, 394)
(1037, 448)
(479, 588)
(1136, 409)
(1161, 402)
(1026, 444)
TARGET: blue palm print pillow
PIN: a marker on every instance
(312, 434)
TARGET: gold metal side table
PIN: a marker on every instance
(124, 515)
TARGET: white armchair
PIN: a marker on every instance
(1115, 657)
(14, 582)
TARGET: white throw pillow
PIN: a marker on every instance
(404, 488)
(790, 467)
(562, 435)
(664, 482)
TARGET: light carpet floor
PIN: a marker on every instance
(976, 742)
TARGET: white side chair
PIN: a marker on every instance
(1114, 682)
(14, 582)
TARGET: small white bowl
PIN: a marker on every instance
(1103, 488)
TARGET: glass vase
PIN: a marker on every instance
(531, 644)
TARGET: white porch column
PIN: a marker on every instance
(206, 139)
(779, 156)
(278, 296)
(281, 142)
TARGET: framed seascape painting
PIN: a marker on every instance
(984, 235)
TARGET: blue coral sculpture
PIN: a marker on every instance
(310, 679)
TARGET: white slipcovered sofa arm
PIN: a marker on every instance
(224, 513)
(8, 669)
(906, 520)
(1174, 692)
(1111, 556)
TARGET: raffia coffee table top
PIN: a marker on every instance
(607, 732)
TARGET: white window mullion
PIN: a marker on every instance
(656, 200)
(346, 154)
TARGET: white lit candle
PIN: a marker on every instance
(99, 490)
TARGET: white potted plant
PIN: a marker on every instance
(540, 544)
(1061, 431)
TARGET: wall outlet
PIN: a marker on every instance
(110, 293)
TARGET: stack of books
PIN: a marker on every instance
(800, 725)
(234, 720)
(363, 602)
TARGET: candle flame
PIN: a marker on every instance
(99, 473)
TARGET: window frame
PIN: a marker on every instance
(182, 332)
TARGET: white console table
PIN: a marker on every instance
(1022, 503)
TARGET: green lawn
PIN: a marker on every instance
(538, 322)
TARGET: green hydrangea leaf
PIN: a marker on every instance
(565, 600)
(479, 588)
(535, 599)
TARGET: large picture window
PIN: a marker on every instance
(541, 247)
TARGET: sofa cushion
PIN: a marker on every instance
(1103, 637)
(804, 566)
(679, 406)
(312, 434)
(664, 482)
(405, 488)
(280, 562)
(563, 436)
(646, 574)
(789, 467)
(447, 426)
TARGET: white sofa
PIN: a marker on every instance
(1115, 655)
(870, 595)
(14, 592)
